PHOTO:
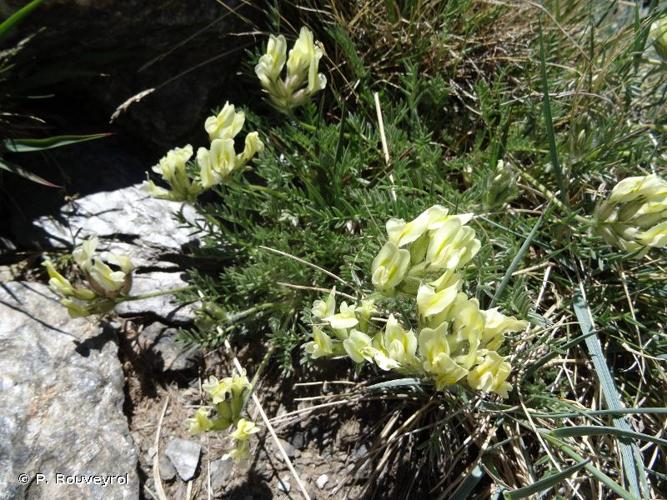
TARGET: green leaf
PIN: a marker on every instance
(631, 458)
(598, 430)
(32, 145)
(548, 122)
(12, 21)
(15, 169)
(516, 260)
(548, 481)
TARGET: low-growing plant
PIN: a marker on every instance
(503, 180)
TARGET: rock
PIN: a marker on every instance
(94, 44)
(184, 456)
(129, 222)
(172, 355)
(289, 450)
(61, 402)
(299, 440)
(162, 307)
(127, 219)
(221, 471)
(284, 485)
(322, 481)
(167, 470)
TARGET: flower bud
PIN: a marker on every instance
(502, 187)
(302, 80)
(633, 217)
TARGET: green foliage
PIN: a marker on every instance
(573, 107)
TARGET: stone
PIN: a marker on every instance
(167, 470)
(322, 481)
(221, 472)
(127, 221)
(289, 450)
(61, 401)
(299, 440)
(168, 352)
(184, 456)
(284, 484)
(163, 307)
(141, 45)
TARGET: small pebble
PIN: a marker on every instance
(283, 485)
(322, 481)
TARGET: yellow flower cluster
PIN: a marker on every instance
(659, 36)
(215, 164)
(422, 249)
(634, 216)
(228, 397)
(455, 342)
(302, 80)
(105, 285)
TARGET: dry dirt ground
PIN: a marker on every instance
(322, 432)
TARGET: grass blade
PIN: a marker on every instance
(32, 145)
(15, 169)
(609, 391)
(548, 122)
(597, 430)
(547, 482)
(12, 21)
(517, 260)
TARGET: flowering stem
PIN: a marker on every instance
(552, 197)
(262, 365)
(150, 295)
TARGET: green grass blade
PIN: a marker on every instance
(15, 169)
(548, 122)
(609, 391)
(517, 260)
(595, 472)
(596, 430)
(12, 21)
(32, 145)
(547, 482)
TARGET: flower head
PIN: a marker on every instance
(226, 124)
(173, 170)
(634, 216)
(302, 80)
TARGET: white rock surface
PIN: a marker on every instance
(127, 221)
(61, 402)
(184, 456)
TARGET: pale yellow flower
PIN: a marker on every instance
(226, 124)
(359, 347)
(390, 267)
(633, 217)
(200, 422)
(435, 353)
(271, 64)
(321, 346)
(496, 325)
(490, 375)
(345, 319)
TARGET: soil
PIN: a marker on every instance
(327, 440)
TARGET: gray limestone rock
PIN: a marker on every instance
(184, 456)
(61, 403)
(127, 221)
(172, 355)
